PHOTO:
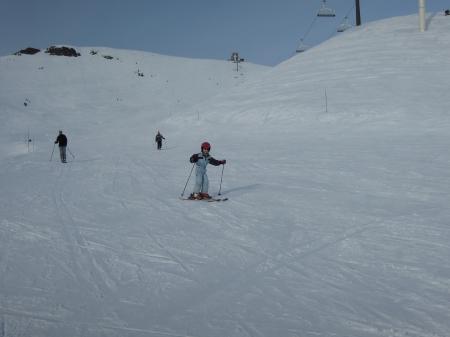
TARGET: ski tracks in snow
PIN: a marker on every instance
(91, 278)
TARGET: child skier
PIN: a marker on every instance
(201, 160)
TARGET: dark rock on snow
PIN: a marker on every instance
(28, 51)
(62, 51)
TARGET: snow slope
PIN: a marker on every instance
(61, 91)
(381, 70)
(337, 222)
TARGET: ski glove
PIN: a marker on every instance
(194, 158)
(223, 162)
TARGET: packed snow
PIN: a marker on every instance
(337, 174)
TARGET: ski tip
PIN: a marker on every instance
(217, 199)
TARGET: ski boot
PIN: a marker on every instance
(194, 196)
(204, 196)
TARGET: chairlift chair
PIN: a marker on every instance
(344, 26)
(325, 11)
(301, 47)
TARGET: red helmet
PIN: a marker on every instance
(206, 145)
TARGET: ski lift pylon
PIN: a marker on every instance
(325, 11)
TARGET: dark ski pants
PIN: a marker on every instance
(62, 153)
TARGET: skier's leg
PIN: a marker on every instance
(64, 153)
(198, 183)
(205, 186)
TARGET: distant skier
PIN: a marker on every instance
(158, 139)
(202, 159)
(62, 141)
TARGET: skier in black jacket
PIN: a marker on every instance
(62, 141)
(158, 139)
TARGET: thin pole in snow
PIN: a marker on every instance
(70, 153)
(326, 101)
(51, 157)
(220, 188)
(422, 15)
(184, 189)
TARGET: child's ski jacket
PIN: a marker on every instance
(201, 160)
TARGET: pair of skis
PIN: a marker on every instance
(206, 200)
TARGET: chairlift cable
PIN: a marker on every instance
(314, 21)
(346, 16)
(348, 13)
(309, 28)
(302, 44)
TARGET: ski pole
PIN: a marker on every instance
(70, 153)
(182, 193)
(52, 152)
(220, 188)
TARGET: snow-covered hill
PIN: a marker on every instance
(60, 91)
(337, 222)
(381, 70)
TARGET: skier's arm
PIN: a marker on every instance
(216, 162)
(194, 158)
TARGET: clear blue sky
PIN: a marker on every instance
(262, 31)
